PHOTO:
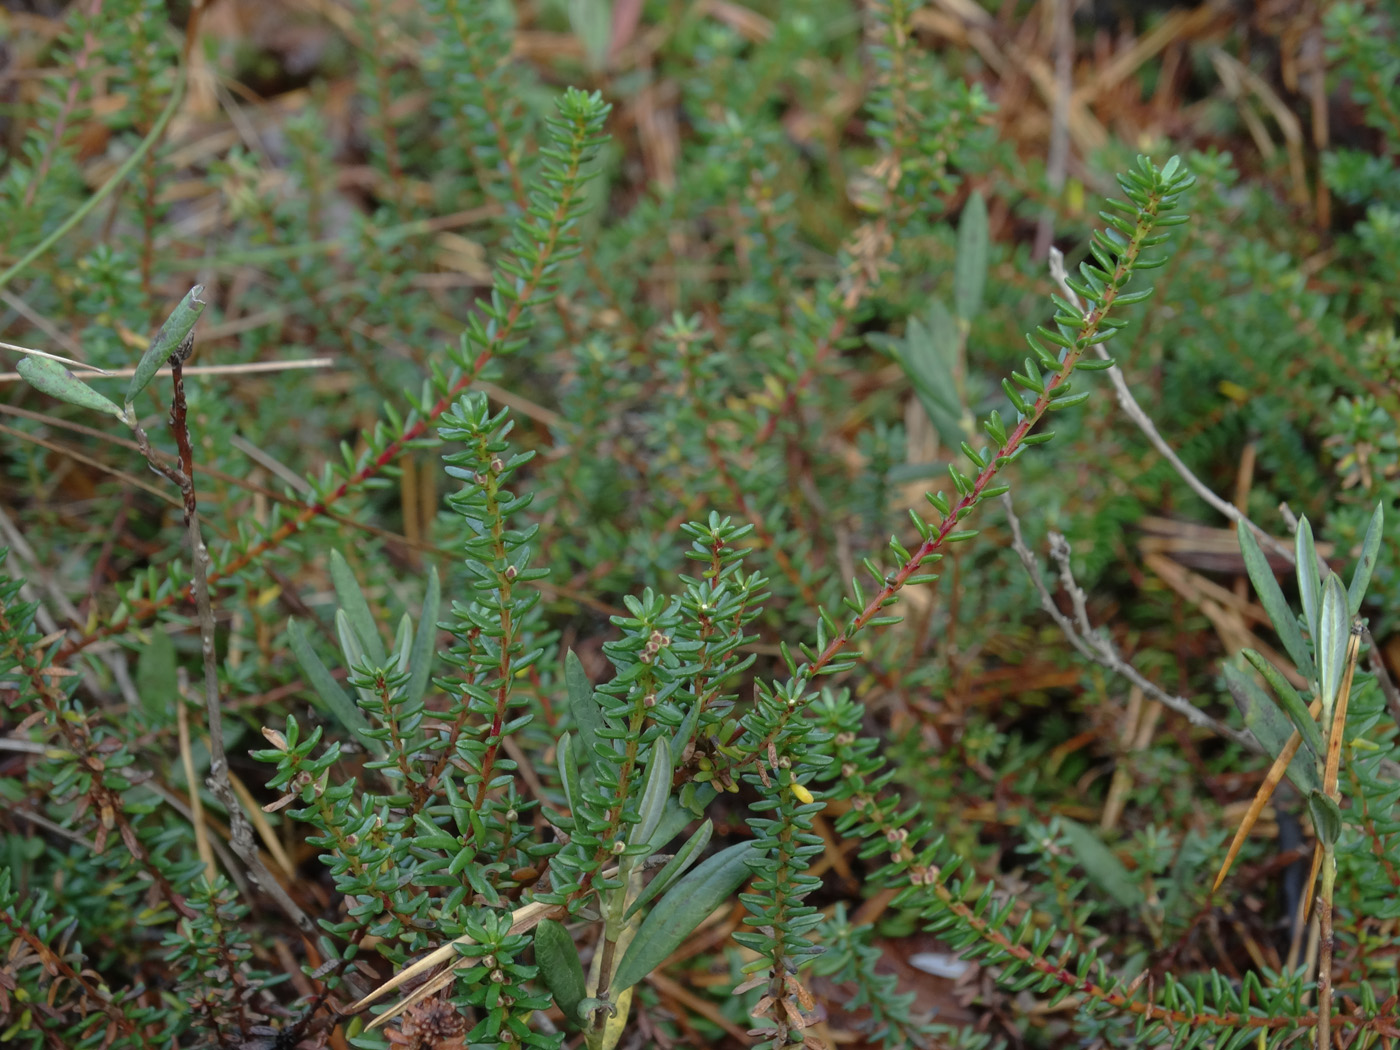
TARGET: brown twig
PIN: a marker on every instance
(240, 829)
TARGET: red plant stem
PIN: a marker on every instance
(853, 296)
(1383, 1024)
(736, 491)
(55, 964)
(1089, 334)
(504, 670)
(144, 610)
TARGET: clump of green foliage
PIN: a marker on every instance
(298, 751)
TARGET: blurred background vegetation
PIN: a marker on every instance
(341, 175)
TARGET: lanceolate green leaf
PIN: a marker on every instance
(54, 379)
(1370, 551)
(687, 904)
(1101, 864)
(156, 683)
(588, 716)
(1271, 597)
(1309, 582)
(335, 698)
(1327, 817)
(420, 662)
(654, 794)
(1269, 725)
(927, 354)
(970, 269)
(352, 600)
(1293, 705)
(400, 651)
(557, 957)
(166, 341)
(568, 773)
(675, 867)
(1334, 630)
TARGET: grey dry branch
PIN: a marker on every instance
(241, 836)
(1093, 644)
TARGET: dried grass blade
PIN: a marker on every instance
(1339, 719)
(1312, 881)
(1261, 799)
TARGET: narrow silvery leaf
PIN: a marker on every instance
(1271, 597)
(591, 21)
(676, 866)
(1270, 726)
(685, 732)
(156, 681)
(1293, 705)
(425, 640)
(350, 645)
(1370, 550)
(1102, 864)
(688, 904)
(352, 601)
(970, 269)
(1309, 582)
(403, 643)
(52, 378)
(336, 700)
(588, 716)
(166, 341)
(568, 772)
(927, 354)
(557, 957)
(354, 655)
(1334, 631)
(654, 795)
